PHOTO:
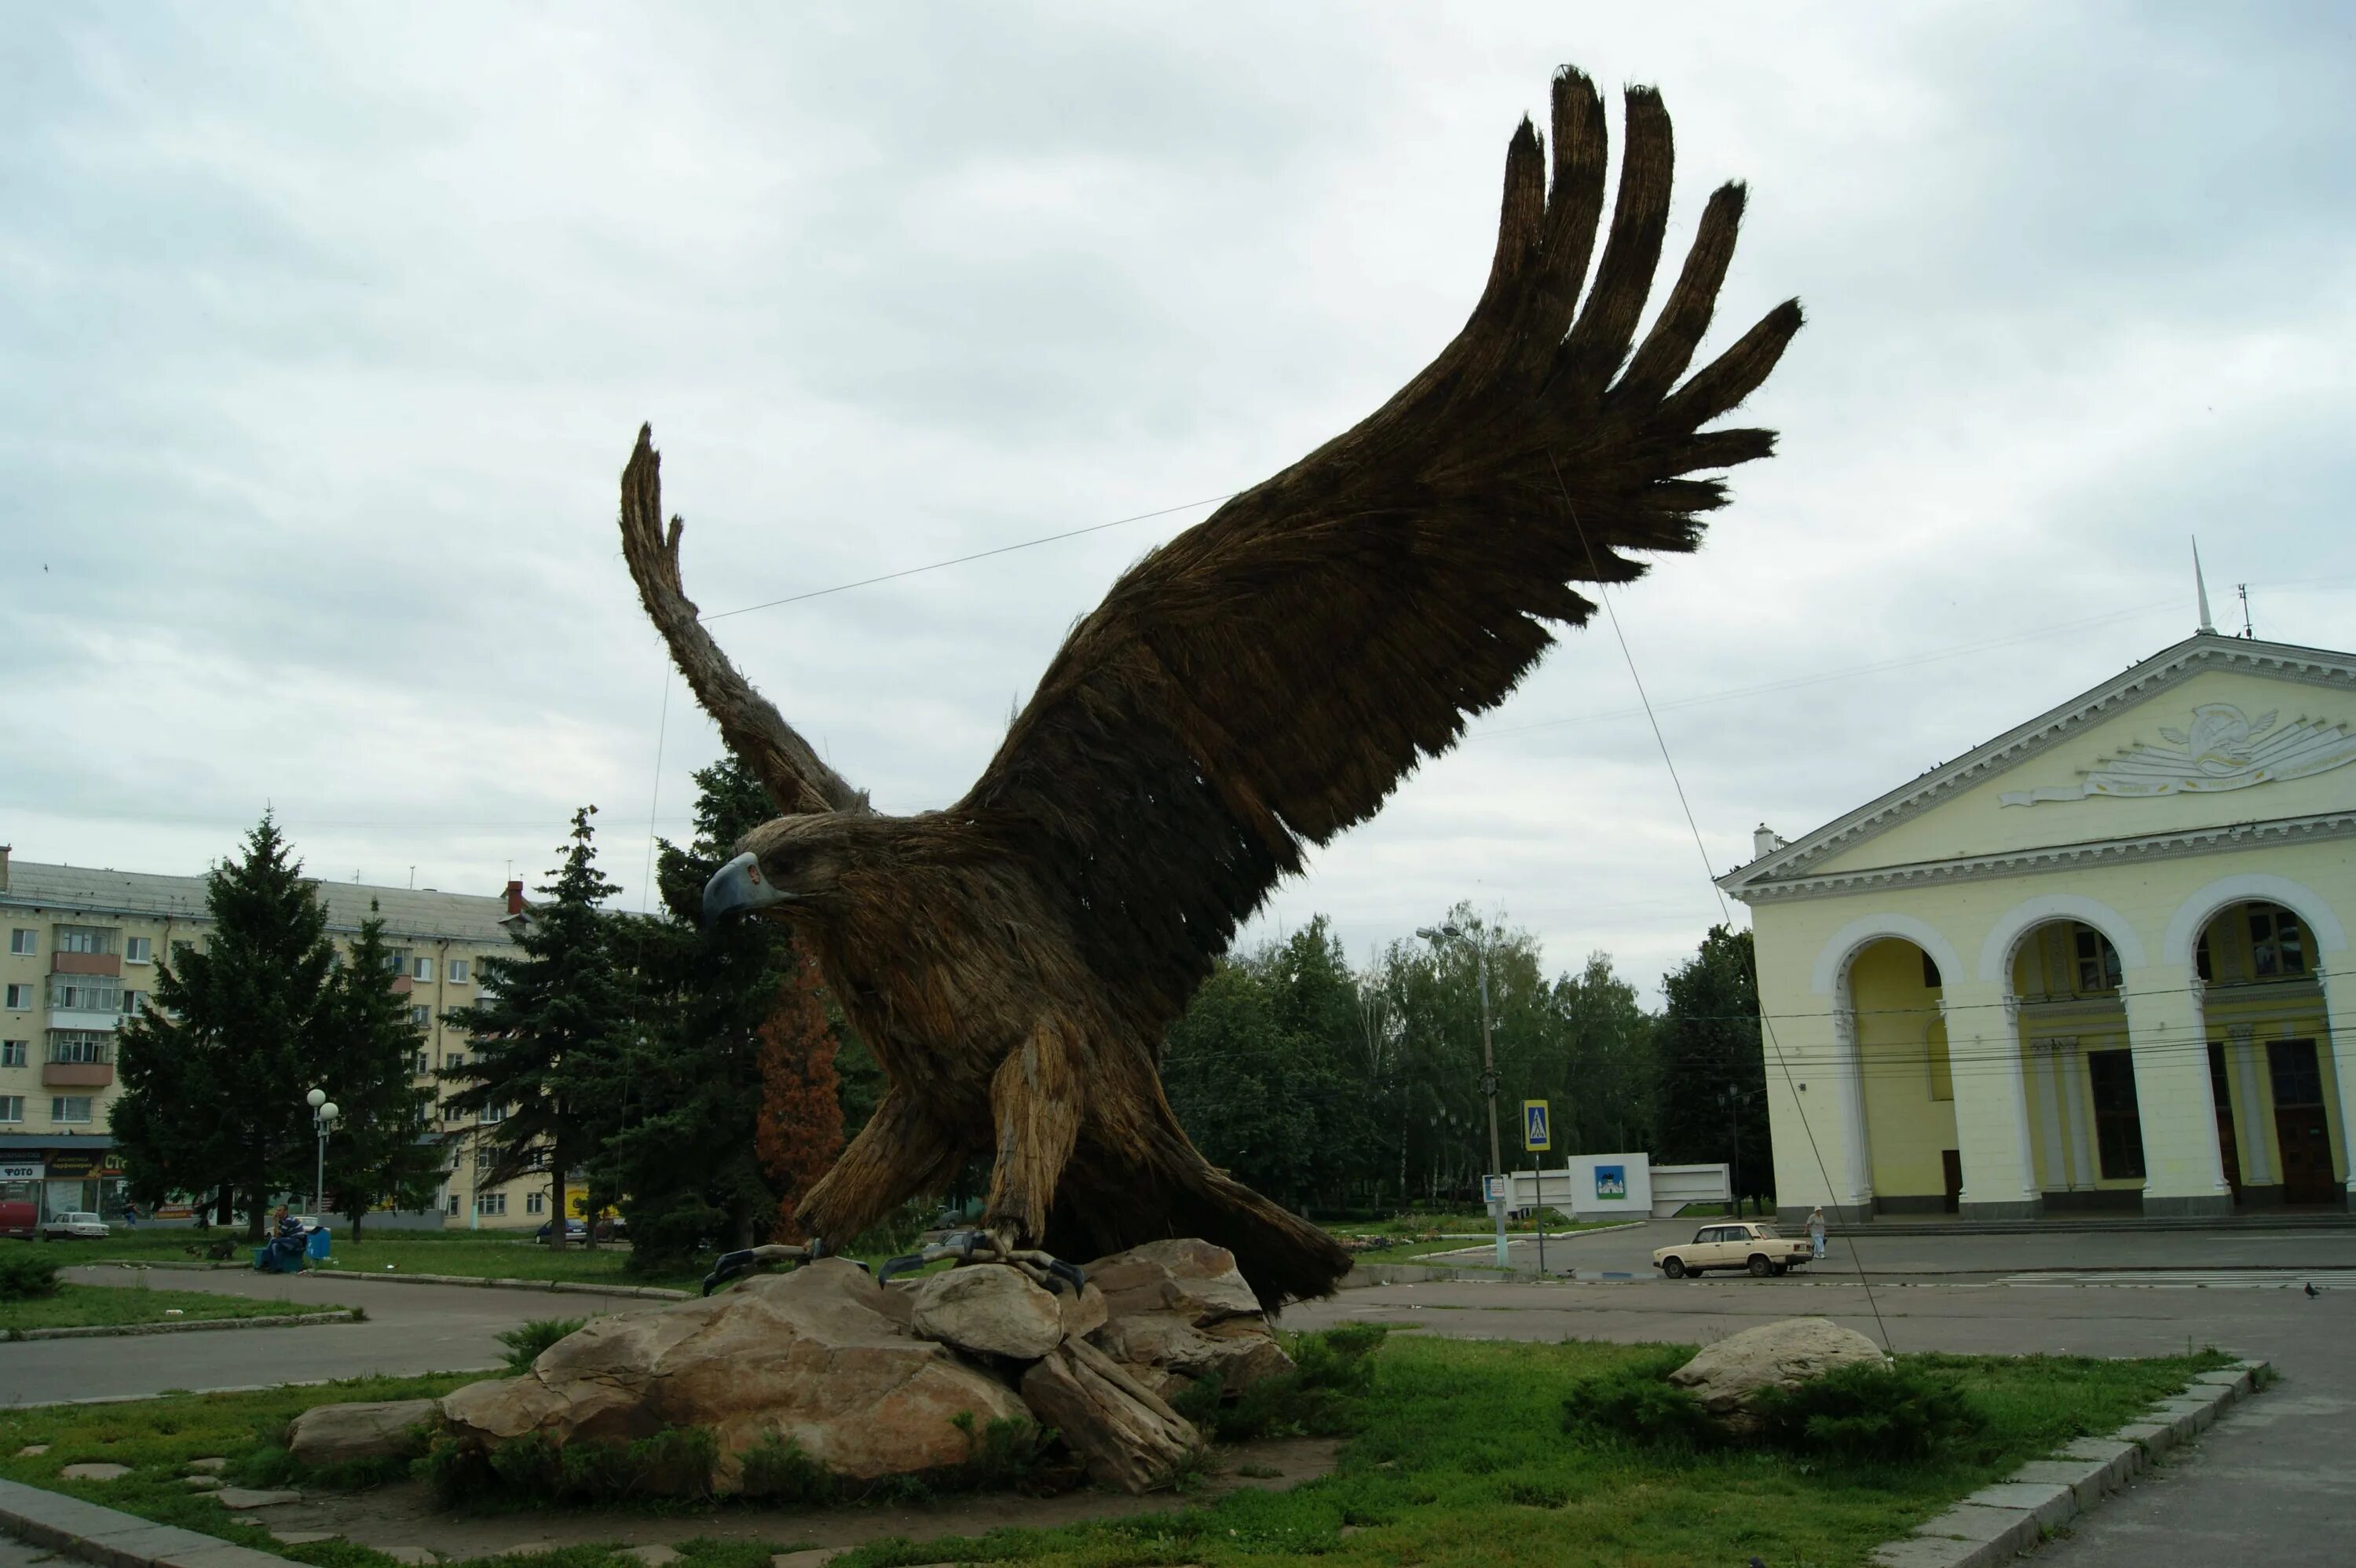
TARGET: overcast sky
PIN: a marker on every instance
(327, 331)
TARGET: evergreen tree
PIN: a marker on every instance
(1605, 1105)
(1710, 1089)
(679, 1152)
(381, 1149)
(545, 1048)
(801, 1130)
(214, 1075)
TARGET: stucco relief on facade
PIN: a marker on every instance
(2221, 749)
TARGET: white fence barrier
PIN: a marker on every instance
(1618, 1186)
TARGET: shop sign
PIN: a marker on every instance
(21, 1170)
(66, 1167)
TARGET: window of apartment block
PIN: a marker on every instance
(420, 1018)
(535, 1202)
(457, 971)
(139, 950)
(2118, 1123)
(86, 993)
(69, 1108)
(21, 941)
(133, 1002)
(453, 1205)
(417, 1064)
(12, 1052)
(397, 960)
(456, 1058)
(421, 969)
(19, 997)
(12, 1107)
(491, 1115)
(78, 1045)
(85, 939)
(2277, 945)
(491, 1203)
(484, 1153)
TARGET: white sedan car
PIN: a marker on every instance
(1750, 1245)
(80, 1225)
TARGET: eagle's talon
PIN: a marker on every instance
(745, 1260)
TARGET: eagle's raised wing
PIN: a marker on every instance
(1272, 674)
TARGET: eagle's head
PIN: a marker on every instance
(788, 865)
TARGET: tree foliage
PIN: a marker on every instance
(800, 1127)
(214, 1074)
(1710, 1083)
(383, 1149)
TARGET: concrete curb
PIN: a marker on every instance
(1998, 1523)
(187, 1326)
(113, 1540)
(561, 1286)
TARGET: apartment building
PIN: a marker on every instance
(82, 947)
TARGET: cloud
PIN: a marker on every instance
(330, 333)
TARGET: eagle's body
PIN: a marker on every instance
(1260, 683)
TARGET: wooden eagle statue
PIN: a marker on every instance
(1259, 683)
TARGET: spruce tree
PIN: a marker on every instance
(381, 1149)
(214, 1075)
(545, 1047)
(1710, 1094)
(801, 1130)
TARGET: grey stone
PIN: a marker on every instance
(2052, 1506)
(201, 1483)
(29, 1449)
(346, 1434)
(2155, 1437)
(417, 1556)
(1193, 1278)
(1931, 1551)
(1727, 1375)
(655, 1556)
(97, 1472)
(2005, 1529)
(301, 1537)
(990, 1309)
(217, 1554)
(212, 1463)
(245, 1498)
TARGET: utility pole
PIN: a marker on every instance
(1733, 1100)
(1488, 1081)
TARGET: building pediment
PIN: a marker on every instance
(2134, 766)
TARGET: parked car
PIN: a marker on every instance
(19, 1217)
(575, 1231)
(77, 1225)
(1745, 1244)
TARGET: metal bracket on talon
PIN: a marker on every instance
(977, 1247)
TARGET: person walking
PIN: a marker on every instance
(1816, 1232)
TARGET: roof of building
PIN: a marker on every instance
(1792, 863)
(407, 911)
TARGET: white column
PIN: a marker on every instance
(2057, 1168)
(1856, 1179)
(2183, 1173)
(1991, 1100)
(2342, 1046)
(2249, 1123)
(2082, 1174)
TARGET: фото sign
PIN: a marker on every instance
(1538, 1136)
(19, 1170)
(1611, 1181)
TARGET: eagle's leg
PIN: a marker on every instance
(898, 1155)
(1035, 1099)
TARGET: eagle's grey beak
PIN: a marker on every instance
(738, 888)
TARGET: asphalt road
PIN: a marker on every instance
(410, 1328)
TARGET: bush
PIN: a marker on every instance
(525, 1343)
(1638, 1403)
(1332, 1370)
(27, 1276)
(896, 1232)
(1863, 1413)
(676, 1461)
(781, 1471)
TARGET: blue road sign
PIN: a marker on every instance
(1537, 1134)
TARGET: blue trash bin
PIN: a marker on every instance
(317, 1246)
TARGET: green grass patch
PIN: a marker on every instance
(1460, 1455)
(527, 1340)
(1476, 1223)
(82, 1306)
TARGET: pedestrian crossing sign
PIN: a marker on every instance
(1537, 1136)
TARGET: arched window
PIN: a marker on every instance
(2278, 942)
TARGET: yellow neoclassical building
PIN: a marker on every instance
(2100, 961)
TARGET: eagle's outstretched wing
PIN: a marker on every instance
(1272, 674)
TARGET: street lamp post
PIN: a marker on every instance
(324, 1113)
(1488, 1079)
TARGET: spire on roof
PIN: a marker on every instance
(2201, 587)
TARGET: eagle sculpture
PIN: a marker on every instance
(1258, 684)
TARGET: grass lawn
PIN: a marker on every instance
(1461, 1458)
(1476, 1223)
(477, 1254)
(76, 1306)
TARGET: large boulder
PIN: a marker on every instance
(346, 1433)
(1125, 1435)
(989, 1309)
(812, 1358)
(1178, 1311)
(1194, 1279)
(1725, 1376)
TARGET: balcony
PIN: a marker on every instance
(86, 963)
(77, 1017)
(77, 1074)
(400, 984)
